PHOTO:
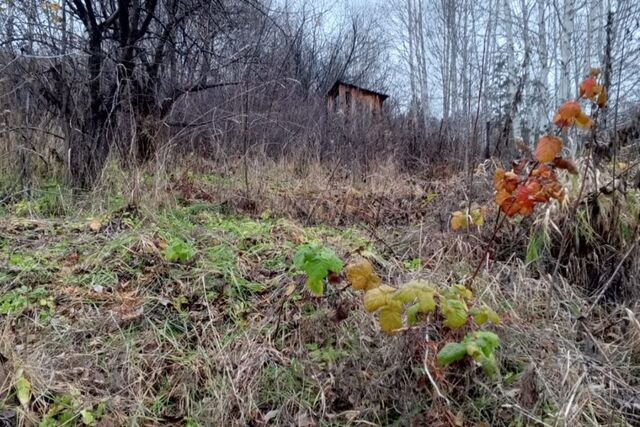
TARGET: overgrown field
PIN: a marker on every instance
(190, 312)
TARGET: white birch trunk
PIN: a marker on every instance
(567, 28)
(543, 77)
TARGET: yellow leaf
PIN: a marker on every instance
(426, 301)
(548, 148)
(361, 276)
(406, 295)
(459, 291)
(390, 320)
(23, 389)
(377, 298)
(583, 121)
(493, 317)
(415, 291)
(290, 289)
(459, 221)
(95, 225)
(477, 217)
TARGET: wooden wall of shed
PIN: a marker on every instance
(359, 101)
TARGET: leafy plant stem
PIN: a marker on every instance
(574, 210)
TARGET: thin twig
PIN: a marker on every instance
(499, 222)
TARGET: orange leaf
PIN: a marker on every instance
(498, 177)
(567, 114)
(602, 98)
(510, 207)
(507, 181)
(583, 121)
(566, 164)
(548, 148)
(501, 197)
(590, 89)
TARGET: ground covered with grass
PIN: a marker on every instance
(191, 313)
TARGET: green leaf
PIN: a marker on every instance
(459, 292)
(473, 350)
(454, 312)
(489, 365)
(424, 303)
(23, 389)
(412, 314)
(316, 286)
(179, 251)
(317, 261)
(483, 315)
(88, 417)
(487, 341)
(536, 246)
(451, 353)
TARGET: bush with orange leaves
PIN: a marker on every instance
(534, 181)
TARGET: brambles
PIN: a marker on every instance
(317, 262)
(570, 113)
(516, 195)
(179, 251)
(534, 181)
(480, 346)
(408, 305)
(463, 220)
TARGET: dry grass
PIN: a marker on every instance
(232, 338)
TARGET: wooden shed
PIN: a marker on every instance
(352, 99)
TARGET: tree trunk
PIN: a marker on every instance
(87, 151)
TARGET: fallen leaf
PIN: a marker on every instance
(95, 225)
(290, 289)
(23, 389)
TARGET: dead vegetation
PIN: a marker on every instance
(99, 322)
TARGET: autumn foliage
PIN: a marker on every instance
(535, 181)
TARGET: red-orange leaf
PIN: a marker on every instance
(590, 88)
(510, 207)
(548, 148)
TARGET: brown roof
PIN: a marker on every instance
(334, 89)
